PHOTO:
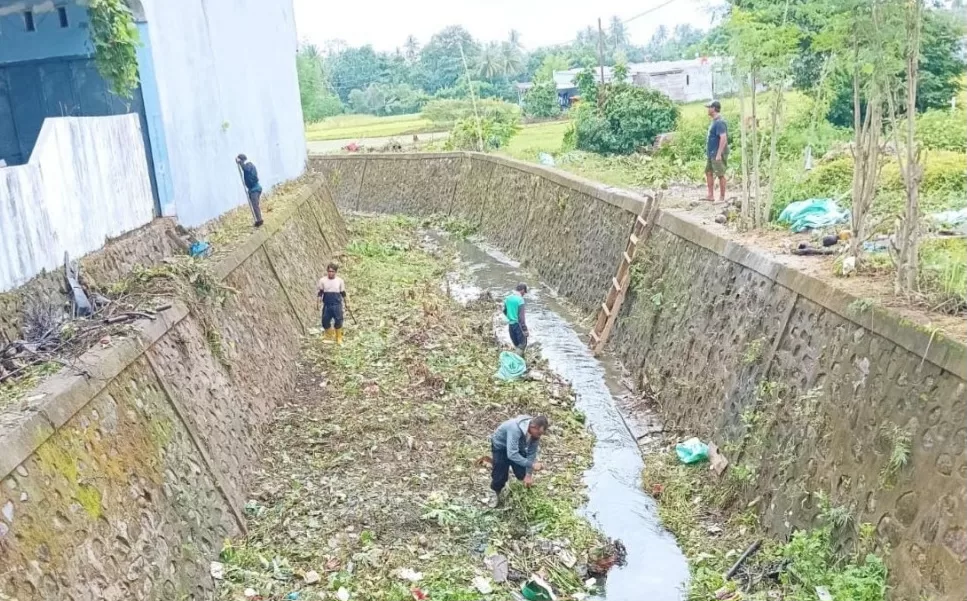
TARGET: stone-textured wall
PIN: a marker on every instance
(123, 483)
(806, 389)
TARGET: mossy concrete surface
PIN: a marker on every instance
(123, 482)
(809, 393)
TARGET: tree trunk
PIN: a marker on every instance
(757, 209)
(746, 200)
(908, 234)
(774, 136)
(866, 148)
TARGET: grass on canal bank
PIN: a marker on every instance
(370, 472)
(713, 529)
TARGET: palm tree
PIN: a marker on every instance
(492, 61)
(513, 38)
(513, 59)
(617, 33)
(411, 48)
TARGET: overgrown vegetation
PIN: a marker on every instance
(371, 479)
(713, 530)
(490, 127)
(115, 39)
(629, 118)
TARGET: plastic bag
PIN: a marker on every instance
(692, 450)
(813, 213)
(512, 366)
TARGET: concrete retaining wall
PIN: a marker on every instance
(123, 483)
(806, 389)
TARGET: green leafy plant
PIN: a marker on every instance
(115, 38)
(541, 100)
(492, 130)
(629, 118)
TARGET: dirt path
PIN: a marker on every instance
(406, 140)
(370, 469)
(776, 242)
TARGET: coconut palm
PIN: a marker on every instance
(492, 61)
(411, 48)
(617, 33)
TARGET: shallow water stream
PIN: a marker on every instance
(656, 570)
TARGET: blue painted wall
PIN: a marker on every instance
(153, 118)
(50, 39)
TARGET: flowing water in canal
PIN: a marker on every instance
(656, 570)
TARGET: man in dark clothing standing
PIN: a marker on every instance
(513, 447)
(716, 150)
(250, 176)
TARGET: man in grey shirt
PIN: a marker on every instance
(514, 447)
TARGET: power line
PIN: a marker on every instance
(649, 11)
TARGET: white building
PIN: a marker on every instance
(217, 78)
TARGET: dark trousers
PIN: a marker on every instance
(253, 202)
(502, 466)
(331, 315)
(517, 336)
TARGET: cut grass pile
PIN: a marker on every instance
(348, 127)
(370, 471)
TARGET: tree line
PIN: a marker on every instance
(338, 78)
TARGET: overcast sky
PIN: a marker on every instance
(386, 23)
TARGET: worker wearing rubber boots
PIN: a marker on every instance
(514, 312)
(332, 294)
(513, 448)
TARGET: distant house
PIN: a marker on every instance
(683, 81)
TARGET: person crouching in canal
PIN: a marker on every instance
(332, 293)
(513, 448)
(514, 312)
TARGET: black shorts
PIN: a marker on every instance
(331, 315)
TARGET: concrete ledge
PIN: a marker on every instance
(946, 354)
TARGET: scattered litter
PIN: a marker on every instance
(590, 583)
(876, 246)
(830, 240)
(342, 594)
(812, 214)
(804, 249)
(512, 366)
(482, 585)
(217, 570)
(717, 461)
(293, 596)
(545, 159)
(250, 592)
(498, 567)
(849, 266)
(409, 574)
(950, 217)
(822, 593)
(567, 558)
(312, 577)
(200, 249)
(692, 450)
(535, 589)
(418, 595)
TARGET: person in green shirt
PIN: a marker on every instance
(514, 312)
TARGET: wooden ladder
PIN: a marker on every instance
(619, 283)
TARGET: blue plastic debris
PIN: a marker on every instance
(200, 249)
(813, 213)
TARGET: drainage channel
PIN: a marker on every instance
(656, 569)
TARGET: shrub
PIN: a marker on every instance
(943, 129)
(447, 112)
(497, 126)
(541, 100)
(629, 118)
